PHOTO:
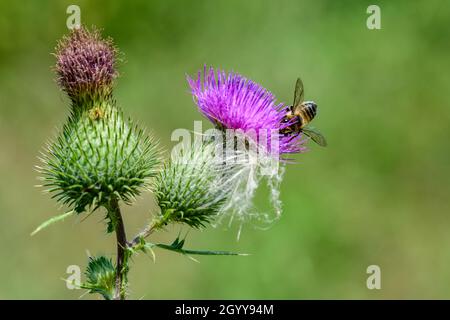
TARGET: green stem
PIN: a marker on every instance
(156, 224)
(142, 235)
(121, 265)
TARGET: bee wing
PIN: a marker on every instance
(315, 136)
(299, 93)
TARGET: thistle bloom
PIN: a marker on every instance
(85, 65)
(230, 101)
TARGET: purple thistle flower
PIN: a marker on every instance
(230, 101)
(85, 65)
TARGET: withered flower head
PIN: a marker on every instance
(86, 65)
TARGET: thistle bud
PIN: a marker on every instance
(86, 66)
(100, 277)
(193, 187)
(98, 156)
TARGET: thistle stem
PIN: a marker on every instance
(144, 234)
(156, 224)
(121, 265)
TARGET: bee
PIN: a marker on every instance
(303, 112)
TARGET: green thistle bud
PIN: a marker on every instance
(98, 157)
(100, 277)
(193, 187)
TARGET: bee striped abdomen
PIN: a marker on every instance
(307, 112)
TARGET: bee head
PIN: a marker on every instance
(289, 115)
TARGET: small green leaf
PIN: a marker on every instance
(177, 246)
(52, 221)
(200, 252)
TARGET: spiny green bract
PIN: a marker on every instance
(98, 157)
(193, 187)
(100, 277)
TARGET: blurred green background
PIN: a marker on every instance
(377, 195)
